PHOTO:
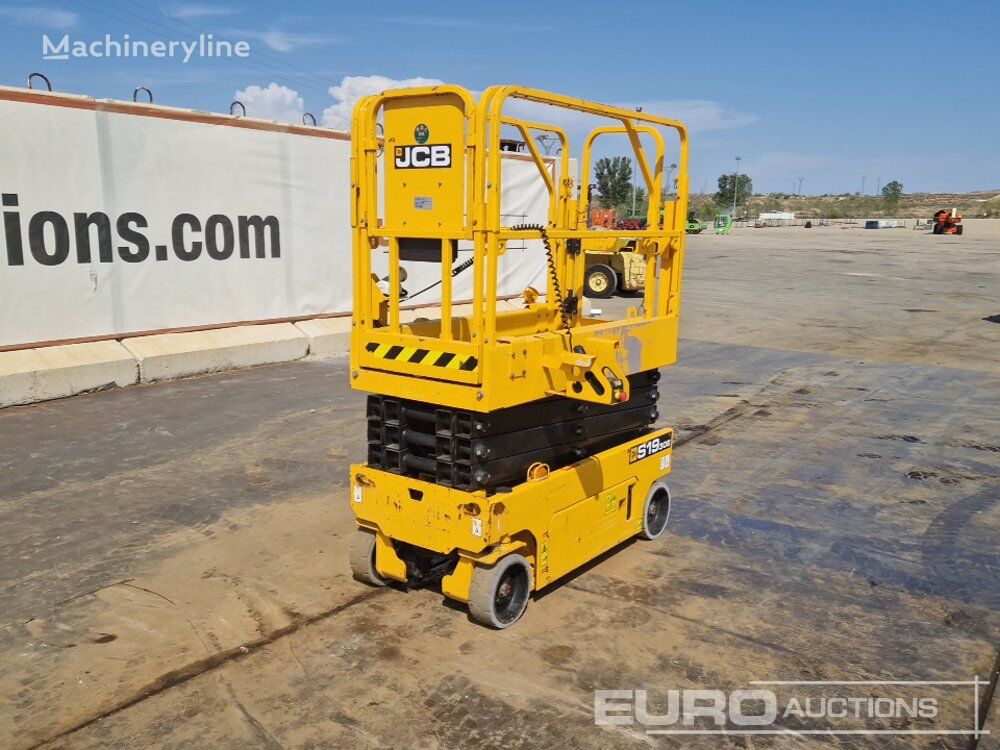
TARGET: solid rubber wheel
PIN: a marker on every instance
(959, 229)
(655, 511)
(363, 558)
(600, 281)
(499, 595)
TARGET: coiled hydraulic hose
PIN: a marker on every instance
(551, 262)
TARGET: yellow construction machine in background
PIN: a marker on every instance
(613, 265)
(505, 447)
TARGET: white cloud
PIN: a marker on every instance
(698, 114)
(273, 103)
(352, 88)
(286, 41)
(200, 11)
(44, 17)
(283, 104)
(462, 23)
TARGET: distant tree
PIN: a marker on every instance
(727, 185)
(891, 194)
(614, 181)
(893, 189)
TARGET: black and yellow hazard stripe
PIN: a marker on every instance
(417, 356)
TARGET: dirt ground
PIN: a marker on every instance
(890, 295)
(175, 565)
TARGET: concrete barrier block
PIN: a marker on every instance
(433, 312)
(327, 335)
(420, 313)
(175, 355)
(51, 372)
(510, 304)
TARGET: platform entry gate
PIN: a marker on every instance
(426, 175)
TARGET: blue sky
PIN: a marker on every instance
(827, 91)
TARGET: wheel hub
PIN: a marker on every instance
(510, 594)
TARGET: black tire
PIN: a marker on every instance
(959, 229)
(600, 281)
(655, 511)
(499, 594)
(936, 229)
(363, 558)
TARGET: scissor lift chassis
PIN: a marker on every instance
(492, 451)
(505, 448)
(557, 523)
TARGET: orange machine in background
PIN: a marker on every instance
(604, 217)
(947, 223)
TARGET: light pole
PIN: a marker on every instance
(637, 109)
(863, 178)
(633, 186)
(736, 185)
(670, 170)
(547, 141)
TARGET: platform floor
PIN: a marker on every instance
(175, 565)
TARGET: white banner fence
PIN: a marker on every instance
(121, 219)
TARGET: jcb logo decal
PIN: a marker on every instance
(431, 156)
(649, 448)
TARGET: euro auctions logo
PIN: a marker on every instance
(820, 707)
(203, 46)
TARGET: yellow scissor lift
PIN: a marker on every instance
(505, 448)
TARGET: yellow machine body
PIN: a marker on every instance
(427, 183)
(619, 255)
(558, 522)
(492, 359)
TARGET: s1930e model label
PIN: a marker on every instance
(649, 448)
